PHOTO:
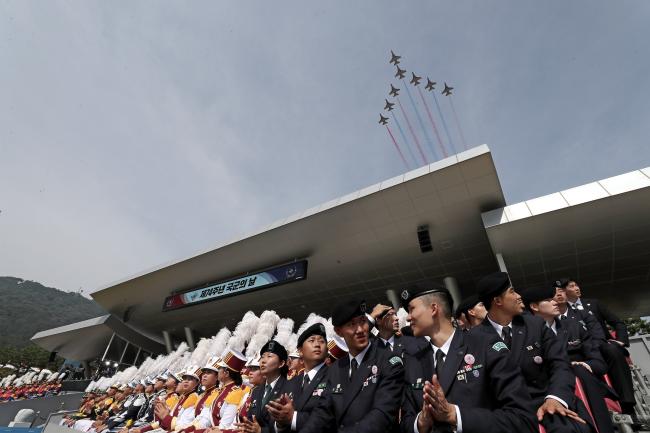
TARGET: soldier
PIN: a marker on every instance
(364, 387)
(471, 312)
(292, 411)
(273, 366)
(613, 349)
(295, 364)
(459, 380)
(255, 379)
(540, 356)
(388, 331)
(586, 362)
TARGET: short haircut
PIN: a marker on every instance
(439, 299)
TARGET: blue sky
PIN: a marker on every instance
(134, 133)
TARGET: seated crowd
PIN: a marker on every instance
(34, 390)
(502, 361)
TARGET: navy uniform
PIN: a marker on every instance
(614, 354)
(259, 399)
(490, 395)
(581, 347)
(306, 388)
(366, 400)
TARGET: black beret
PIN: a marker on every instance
(538, 294)
(562, 282)
(466, 305)
(347, 311)
(418, 290)
(276, 348)
(315, 329)
(492, 285)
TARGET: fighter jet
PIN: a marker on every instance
(400, 73)
(415, 80)
(430, 85)
(383, 120)
(389, 105)
(447, 90)
(394, 58)
(394, 91)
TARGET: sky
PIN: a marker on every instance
(134, 133)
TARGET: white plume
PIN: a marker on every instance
(243, 332)
(283, 334)
(401, 316)
(201, 354)
(219, 341)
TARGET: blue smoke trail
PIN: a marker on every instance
(406, 142)
(417, 113)
(444, 124)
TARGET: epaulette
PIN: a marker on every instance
(235, 396)
(191, 400)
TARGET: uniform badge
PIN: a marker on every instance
(469, 359)
(475, 373)
(405, 294)
(537, 360)
(395, 360)
(337, 389)
(499, 346)
(529, 347)
(374, 369)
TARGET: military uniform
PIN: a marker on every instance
(614, 354)
(477, 377)
(581, 347)
(306, 395)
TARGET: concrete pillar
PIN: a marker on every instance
(108, 346)
(126, 346)
(452, 285)
(168, 342)
(189, 337)
(501, 262)
(86, 367)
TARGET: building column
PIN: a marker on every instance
(108, 346)
(501, 262)
(452, 285)
(168, 341)
(189, 337)
(86, 367)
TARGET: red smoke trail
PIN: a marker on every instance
(397, 147)
(442, 146)
(415, 137)
(460, 131)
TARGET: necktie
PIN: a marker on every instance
(305, 381)
(507, 336)
(267, 394)
(353, 367)
(440, 361)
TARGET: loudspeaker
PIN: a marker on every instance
(424, 240)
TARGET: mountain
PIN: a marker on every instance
(28, 307)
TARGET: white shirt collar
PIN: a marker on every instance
(274, 382)
(390, 341)
(314, 371)
(359, 356)
(498, 327)
(445, 346)
(552, 326)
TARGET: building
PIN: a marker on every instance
(447, 221)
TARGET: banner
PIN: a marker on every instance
(260, 280)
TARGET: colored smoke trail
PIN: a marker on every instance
(444, 124)
(397, 147)
(460, 130)
(435, 129)
(415, 137)
(417, 114)
(406, 142)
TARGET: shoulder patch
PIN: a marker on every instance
(499, 346)
(395, 360)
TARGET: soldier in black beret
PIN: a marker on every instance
(365, 386)
(273, 366)
(534, 349)
(471, 312)
(459, 380)
(613, 348)
(303, 392)
(586, 361)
